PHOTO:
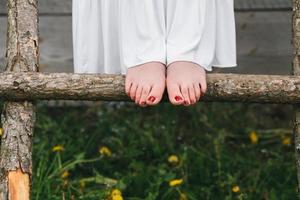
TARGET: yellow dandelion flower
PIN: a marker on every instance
(183, 196)
(173, 159)
(286, 141)
(236, 189)
(175, 182)
(117, 197)
(65, 174)
(105, 151)
(57, 148)
(1, 132)
(116, 192)
(253, 137)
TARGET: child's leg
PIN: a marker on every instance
(190, 47)
(143, 49)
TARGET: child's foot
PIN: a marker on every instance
(145, 84)
(186, 82)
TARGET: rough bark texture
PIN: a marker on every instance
(221, 87)
(296, 72)
(18, 117)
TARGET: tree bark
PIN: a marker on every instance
(296, 72)
(221, 87)
(18, 118)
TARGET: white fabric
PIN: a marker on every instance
(109, 36)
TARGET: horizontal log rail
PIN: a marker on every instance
(71, 86)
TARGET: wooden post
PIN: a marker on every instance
(296, 72)
(22, 55)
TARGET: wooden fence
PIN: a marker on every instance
(22, 83)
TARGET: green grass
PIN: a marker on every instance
(211, 141)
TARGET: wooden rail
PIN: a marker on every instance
(70, 86)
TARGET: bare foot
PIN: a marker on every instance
(145, 84)
(186, 82)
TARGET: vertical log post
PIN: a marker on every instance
(18, 118)
(296, 72)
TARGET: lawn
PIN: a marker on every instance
(120, 151)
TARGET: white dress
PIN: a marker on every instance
(109, 36)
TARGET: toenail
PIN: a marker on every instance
(152, 99)
(143, 103)
(186, 103)
(178, 98)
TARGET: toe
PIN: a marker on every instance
(155, 95)
(185, 93)
(145, 93)
(128, 84)
(192, 94)
(132, 92)
(197, 91)
(203, 85)
(138, 94)
(174, 94)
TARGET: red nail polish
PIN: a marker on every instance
(178, 98)
(185, 103)
(152, 99)
(143, 103)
